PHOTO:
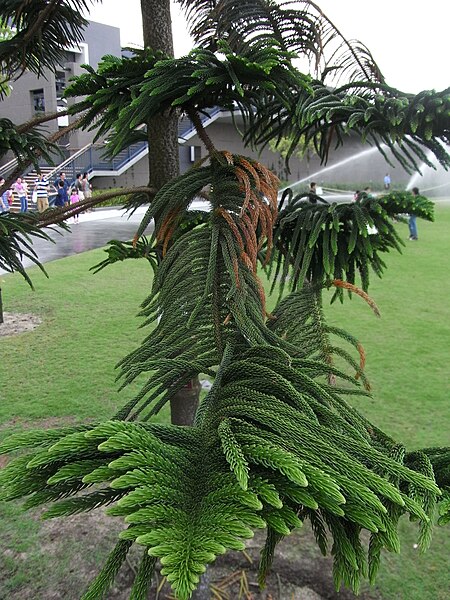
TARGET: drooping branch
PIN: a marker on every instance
(40, 119)
(62, 132)
(58, 215)
(40, 21)
(197, 122)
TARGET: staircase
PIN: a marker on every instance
(91, 159)
(30, 179)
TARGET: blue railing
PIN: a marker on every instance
(185, 127)
(93, 157)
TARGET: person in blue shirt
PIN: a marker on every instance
(62, 179)
(61, 194)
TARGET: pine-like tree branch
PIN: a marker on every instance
(201, 132)
(40, 119)
(59, 215)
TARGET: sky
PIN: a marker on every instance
(408, 38)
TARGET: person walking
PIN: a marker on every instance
(387, 181)
(21, 190)
(412, 223)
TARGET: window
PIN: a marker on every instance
(38, 101)
(60, 83)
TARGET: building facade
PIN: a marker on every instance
(353, 165)
(32, 95)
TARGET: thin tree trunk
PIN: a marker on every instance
(164, 165)
(162, 130)
(186, 402)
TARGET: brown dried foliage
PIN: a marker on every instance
(359, 292)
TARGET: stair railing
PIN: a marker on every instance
(8, 168)
(72, 157)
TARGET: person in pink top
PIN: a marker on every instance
(74, 198)
(21, 189)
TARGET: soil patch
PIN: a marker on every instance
(75, 547)
(15, 323)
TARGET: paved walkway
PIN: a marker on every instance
(94, 230)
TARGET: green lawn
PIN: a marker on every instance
(64, 369)
(407, 363)
(64, 372)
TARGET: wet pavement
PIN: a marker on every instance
(94, 230)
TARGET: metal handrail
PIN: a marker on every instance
(12, 164)
(204, 119)
(8, 167)
(69, 160)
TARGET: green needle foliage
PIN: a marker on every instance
(323, 242)
(275, 99)
(41, 32)
(275, 442)
(270, 450)
(397, 203)
(106, 92)
(26, 145)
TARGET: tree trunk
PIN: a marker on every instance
(163, 159)
(164, 165)
(185, 402)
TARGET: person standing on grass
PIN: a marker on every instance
(387, 181)
(312, 193)
(21, 190)
(412, 223)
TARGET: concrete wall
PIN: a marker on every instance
(18, 106)
(354, 165)
(101, 39)
(364, 165)
(135, 176)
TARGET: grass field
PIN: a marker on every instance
(63, 372)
